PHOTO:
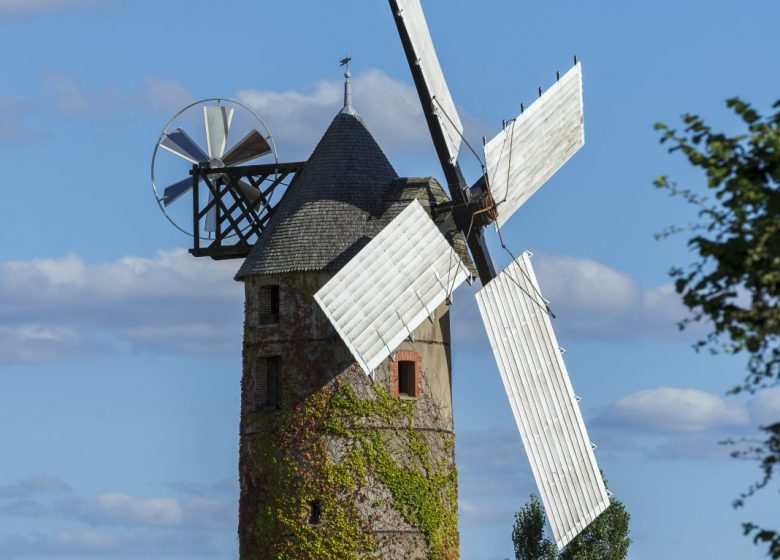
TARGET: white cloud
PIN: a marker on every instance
(50, 308)
(682, 423)
(590, 301)
(765, 407)
(676, 410)
(211, 514)
(390, 108)
(206, 506)
(296, 118)
(88, 539)
(40, 343)
(31, 7)
(161, 94)
(65, 96)
(121, 509)
(115, 524)
(671, 409)
(176, 302)
(593, 300)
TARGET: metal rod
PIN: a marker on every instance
(195, 172)
(218, 220)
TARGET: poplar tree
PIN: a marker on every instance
(606, 538)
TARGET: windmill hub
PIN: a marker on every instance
(215, 163)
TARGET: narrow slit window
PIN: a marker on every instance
(265, 391)
(315, 512)
(407, 378)
(272, 382)
(259, 387)
(274, 303)
(268, 305)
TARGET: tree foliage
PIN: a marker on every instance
(528, 533)
(735, 281)
(606, 538)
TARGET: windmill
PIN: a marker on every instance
(230, 202)
(349, 274)
(388, 289)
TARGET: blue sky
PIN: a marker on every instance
(120, 354)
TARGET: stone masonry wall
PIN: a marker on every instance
(339, 466)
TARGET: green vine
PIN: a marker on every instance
(291, 457)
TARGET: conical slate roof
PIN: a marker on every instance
(331, 209)
(345, 194)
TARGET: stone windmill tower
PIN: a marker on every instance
(346, 416)
(333, 465)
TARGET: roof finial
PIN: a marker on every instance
(347, 87)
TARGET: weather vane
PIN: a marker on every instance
(347, 86)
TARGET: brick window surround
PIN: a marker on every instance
(415, 384)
